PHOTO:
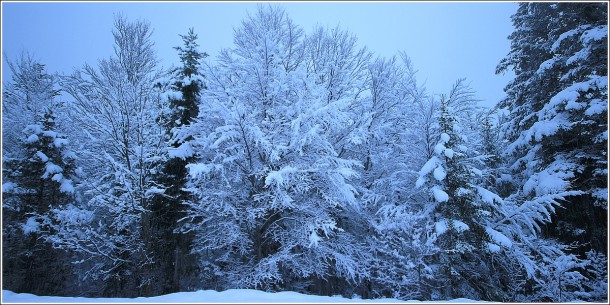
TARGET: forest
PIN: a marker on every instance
(300, 161)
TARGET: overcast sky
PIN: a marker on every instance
(445, 41)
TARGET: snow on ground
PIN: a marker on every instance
(209, 296)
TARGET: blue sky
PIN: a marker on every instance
(444, 40)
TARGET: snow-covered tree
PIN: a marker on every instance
(24, 99)
(404, 249)
(462, 208)
(491, 147)
(270, 188)
(556, 133)
(389, 146)
(559, 144)
(116, 107)
(38, 176)
(174, 265)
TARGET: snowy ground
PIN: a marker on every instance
(208, 296)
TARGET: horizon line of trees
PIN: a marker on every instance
(301, 161)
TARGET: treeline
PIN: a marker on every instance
(300, 161)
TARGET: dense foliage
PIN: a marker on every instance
(300, 161)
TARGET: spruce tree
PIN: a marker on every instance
(578, 105)
(177, 266)
(489, 245)
(34, 185)
(462, 207)
(557, 125)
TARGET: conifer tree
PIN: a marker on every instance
(171, 247)
(556, 129)
(38, 171)
(462, 207)
(34, 185)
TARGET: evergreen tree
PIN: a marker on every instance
(34, 185)
(37, 174)
(24, 100)
(557, 127)
(171, 248)
(462, 208)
